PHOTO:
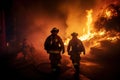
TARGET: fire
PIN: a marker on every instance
(89, 19)
(66, 41)
(108, 14)
(93, 38)
(88, 35)
(86, 31)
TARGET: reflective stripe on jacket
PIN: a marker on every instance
(54, 51)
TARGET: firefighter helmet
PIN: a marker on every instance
(74, 34)
(54, 30)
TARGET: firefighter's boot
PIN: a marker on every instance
(77, 69)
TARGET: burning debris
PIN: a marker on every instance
(109, 19)
(106, 39)
(101, 38)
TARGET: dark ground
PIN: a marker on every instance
(20, 69)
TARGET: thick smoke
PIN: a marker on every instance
(34, 19)
(75, 11)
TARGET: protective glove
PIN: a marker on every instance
(69, 52)
(63, 51)
(84, 52)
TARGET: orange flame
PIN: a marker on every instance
(88, 35)
(86, 31)
(109, 13)
(93, 39)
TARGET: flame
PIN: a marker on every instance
(93, 38)
(88, 35)
(89, 19)
(66, 41)
(110, 12)
(86, 31)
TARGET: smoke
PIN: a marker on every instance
(34, 19)
(75, 11)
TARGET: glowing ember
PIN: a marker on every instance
(108, 14)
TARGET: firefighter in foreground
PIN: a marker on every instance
(74, 49)
(54, 47)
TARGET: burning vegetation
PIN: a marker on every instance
(109, 19)
(102, 37)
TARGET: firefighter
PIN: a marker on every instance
(54, 47)
(74, 49)
(25, 48)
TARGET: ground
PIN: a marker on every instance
(15, 67)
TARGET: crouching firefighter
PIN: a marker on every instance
(54, 47)
(74, 49)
